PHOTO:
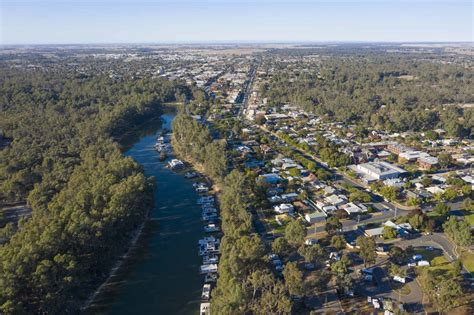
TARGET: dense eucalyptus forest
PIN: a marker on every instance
(245, 285)
(86, 197)
(393, 92)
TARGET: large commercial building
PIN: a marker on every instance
(380, 170)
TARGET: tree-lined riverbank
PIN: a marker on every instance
(161, 276)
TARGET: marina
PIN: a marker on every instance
(168, 263)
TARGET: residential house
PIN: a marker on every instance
(315, 217)
(284, 208)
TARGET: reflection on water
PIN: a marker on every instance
(162, 276)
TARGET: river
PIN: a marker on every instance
(163, 276)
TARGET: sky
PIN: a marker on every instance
(188, 21)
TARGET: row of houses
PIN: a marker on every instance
(404, 230)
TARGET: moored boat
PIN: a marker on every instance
(176, 164)
(210, 259)
(205, 309)
(211, 227)
(210, 268)
(210, 277)
(206, 292)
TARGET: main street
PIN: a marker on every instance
(248, 87)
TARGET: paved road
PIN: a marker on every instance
(440, 241)
(382, 287)
(248, 87)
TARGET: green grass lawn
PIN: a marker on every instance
(470, 219)
(276, 228)
(430, 255)
(467, 259)
(441, 266)
(432, 214)
(439, 262)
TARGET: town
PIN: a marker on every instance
(356, 213)
(237, 157)
(380, 215)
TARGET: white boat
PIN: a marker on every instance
(205, 309)
(197, 185)
(176, 164)
(208, 268)
(206, 292)
(208, 239)
(209, 249)
(210, 277)
(202, 189)
(211, 227)
(208, 245)
(210, 259)
(163, 147)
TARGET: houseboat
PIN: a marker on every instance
(163, 147)
(211, 227)
(205, 309)
(210, 277)
(206, 292)
(209, 248)
(176, 164)
(210, 217)
(210, 268)
(208, 239)
(210, 259)
(201, 187)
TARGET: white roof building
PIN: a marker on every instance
(315, 217)
(435, 190)
(379, 170)
(329, 209)
(352, 208)
(284, 208)
(468, 179)
(413, 155)
(336, 200)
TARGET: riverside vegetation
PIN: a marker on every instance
(87, 199)
(245, 284)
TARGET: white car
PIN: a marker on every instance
(311, 241)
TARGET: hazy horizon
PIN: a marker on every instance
(53, 22)
(244, 42)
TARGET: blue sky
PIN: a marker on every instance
(156, 21)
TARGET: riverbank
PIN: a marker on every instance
(125, 141)
(161, 273)
(117, 266)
